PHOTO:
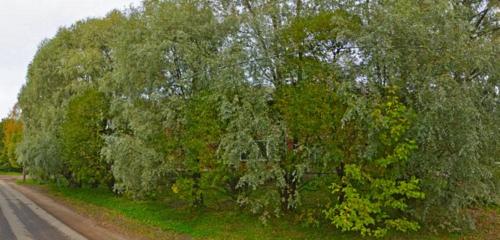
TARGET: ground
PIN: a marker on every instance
(145, 220)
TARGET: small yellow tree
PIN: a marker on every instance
(12, 135)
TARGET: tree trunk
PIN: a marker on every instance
(289, 193)
(24, 174)
(196, 191)
(341, 174)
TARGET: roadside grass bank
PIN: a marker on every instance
(170, 220)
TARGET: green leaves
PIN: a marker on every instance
(374, 192)
(82, 133)
(56, 101)
(445, 73)
(375, 116)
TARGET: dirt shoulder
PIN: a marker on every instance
(87, 227)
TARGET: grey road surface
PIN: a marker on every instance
(21, 219)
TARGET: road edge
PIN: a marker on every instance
(83, 225)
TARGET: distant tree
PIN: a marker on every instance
(3, 159)
(12, 136)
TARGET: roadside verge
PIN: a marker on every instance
(77, 222)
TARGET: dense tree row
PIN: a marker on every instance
(369, 115)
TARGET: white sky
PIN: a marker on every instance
(25, 23)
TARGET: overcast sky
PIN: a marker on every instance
(25, 23)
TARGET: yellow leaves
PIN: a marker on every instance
(13, 130)
(12, 127)
(353, 171)
(175, 188)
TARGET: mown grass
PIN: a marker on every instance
(209, 223)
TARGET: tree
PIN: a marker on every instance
(82, 135)
(12, 136)
(373, 189)
(447, 73)
(175, 47)
(3, 159)
(76, 59)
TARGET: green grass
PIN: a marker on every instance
(207, 223)
(9, 173)
(232, 223)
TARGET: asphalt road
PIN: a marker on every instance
(21, 219)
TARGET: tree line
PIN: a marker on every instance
(373, 116)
